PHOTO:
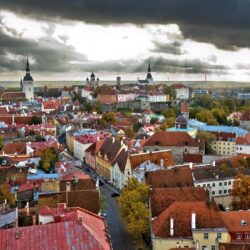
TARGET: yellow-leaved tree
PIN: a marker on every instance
(241, 192)
(134, 209)
(5, 194)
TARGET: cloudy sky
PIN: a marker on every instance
(184, 39)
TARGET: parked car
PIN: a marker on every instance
(115, 194)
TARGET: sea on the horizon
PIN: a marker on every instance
(194, 84)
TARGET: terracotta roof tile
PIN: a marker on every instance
(155, 157)
(234, 246)
(13, 95)
(195, 158)
(177, 177)
(171, 138)
(181, 212)
(14, 147)
(161, 198)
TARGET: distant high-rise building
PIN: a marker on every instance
(27, 83)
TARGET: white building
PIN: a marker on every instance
(181, 91)
(157, 98)
(219, 183)
(27, 83)
(242, 145)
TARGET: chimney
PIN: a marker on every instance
(27, 208)
(193, 220)
(17, 234)
(171, 227)
(190, 165)
(62, 217)
(161, 162)
(80, 220)
(34, 219)
(213, 163)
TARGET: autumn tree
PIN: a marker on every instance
(241, 192)
(129, 132)
(48, 159)
(134, 209)
(5, 194)
(207, 137)
(1, 142)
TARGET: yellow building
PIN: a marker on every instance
(225, 143)
(106, 156)
(193, 224)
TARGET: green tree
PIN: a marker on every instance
(109, 117)
(169, 90)
(134, 209)
(129, 132)
(49, 157)
(207, 137)
(35, 120)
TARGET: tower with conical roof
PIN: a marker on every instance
(149, 75)
(27, 83)
(92, 80)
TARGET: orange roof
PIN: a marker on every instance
(181, 212)
(95, 147)
(155, 157)
(233, 220)
(177, 177)
(171, 138)
(14, 147)
(161, 198)
(13, 95)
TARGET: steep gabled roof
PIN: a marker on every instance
(162, 198)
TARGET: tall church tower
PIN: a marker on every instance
(27, 83)
(149, 75)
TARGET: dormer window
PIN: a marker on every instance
(238, 236)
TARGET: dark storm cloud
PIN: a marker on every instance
(168, 48)
(194, 66)
(49, 54)
(225, 23)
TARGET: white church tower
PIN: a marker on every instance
(27, 83)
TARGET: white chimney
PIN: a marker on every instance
(161, 162)
(171, 227)
(193, 220)
(213, 164)
(27, 208)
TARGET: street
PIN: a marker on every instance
(119, 236)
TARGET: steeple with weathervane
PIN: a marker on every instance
(27, 83)
(149, 75)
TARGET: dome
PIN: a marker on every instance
(181, 119)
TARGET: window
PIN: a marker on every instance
(247, 236)
(225, 183)
(238, 236)
(220, 192)
(229, 191)
(220, 184)
(225, 191)
(204, 247)
(205, 236)
(218, 236)
(204, 185)
(213, 192)
(212, 247)
(213, 185)
(229, 183)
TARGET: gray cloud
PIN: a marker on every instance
(194, 66)
(168, 48)
(225, 23)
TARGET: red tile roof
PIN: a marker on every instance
(181, 212)
(177, 177)
(25, 187)
(195, 158)
(243, 140)
(95, 147)
(13, 95)
(171, 138)
(245, 116)
(179, 86)
(63, 235)
(78, 175)
(224, 136)
(161, 198)
(155, 157)
(14, 147)
(233, 220)
(234, 246)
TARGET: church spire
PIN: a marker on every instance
(149, 68)
(27, 65)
